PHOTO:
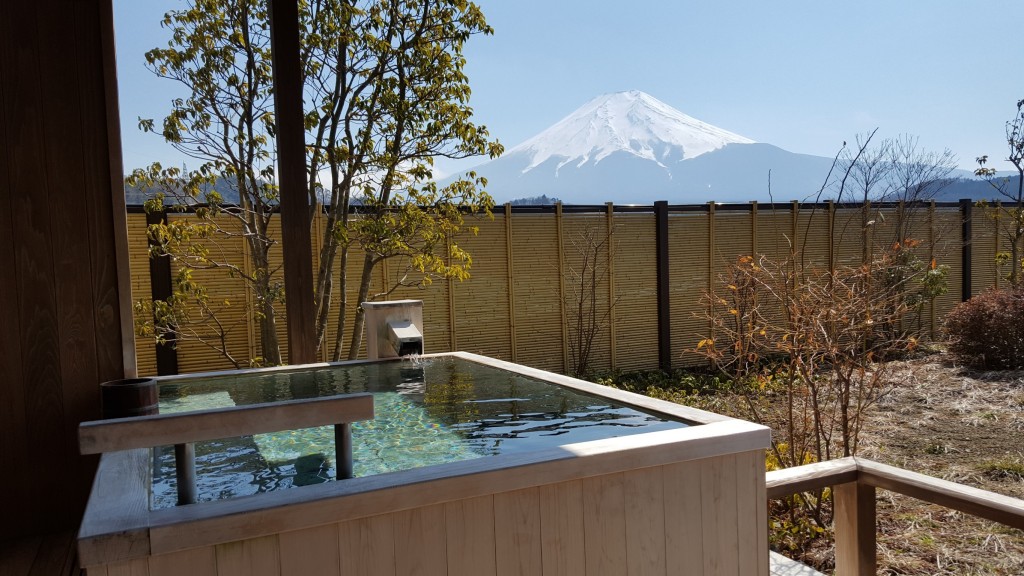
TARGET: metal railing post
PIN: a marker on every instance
(343, 450)
(185, 472)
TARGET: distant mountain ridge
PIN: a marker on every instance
(631, 148)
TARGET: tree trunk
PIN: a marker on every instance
(364, 291)
(270, 347)
(342, 306)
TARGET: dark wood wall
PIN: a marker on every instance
(62, 330)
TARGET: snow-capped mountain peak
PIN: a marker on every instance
(632, 122)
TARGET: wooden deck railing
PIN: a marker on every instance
(853, 482)
(184, 429)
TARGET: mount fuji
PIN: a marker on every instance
(631, 148)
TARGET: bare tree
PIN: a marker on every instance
(1011, 215)
(585, 275)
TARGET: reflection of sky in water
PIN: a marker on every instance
(429, 412)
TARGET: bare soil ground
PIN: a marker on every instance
(960, 425)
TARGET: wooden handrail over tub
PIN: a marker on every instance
(853, 482)
(184, 429)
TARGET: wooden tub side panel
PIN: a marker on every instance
(252, 557)
(368, 546)
(563, 551)
(693, 518)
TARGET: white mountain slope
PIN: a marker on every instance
(631, 122)
(631, 148)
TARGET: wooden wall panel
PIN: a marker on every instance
(13, 425)
(103, 186)
(62, 335)
(76, 323)
(36, 305)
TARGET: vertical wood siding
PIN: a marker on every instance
(693, 518)
(61, 334)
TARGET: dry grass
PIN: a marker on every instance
(952, 423)
(963, 426)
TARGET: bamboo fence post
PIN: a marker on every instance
(610, 224)
(753, 229)
(453, 341)
(794, 211)
(831, 237)
(711, 270)
(995, 237)
(561, 287)
(511, 281)
(931, 259)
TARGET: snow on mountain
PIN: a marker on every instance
(631, 148)
(632, 122)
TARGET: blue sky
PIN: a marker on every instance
(802, 75)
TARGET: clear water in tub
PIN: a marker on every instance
(428, 411)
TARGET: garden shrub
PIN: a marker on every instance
(987, 331)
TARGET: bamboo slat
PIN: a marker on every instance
(485, 321)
